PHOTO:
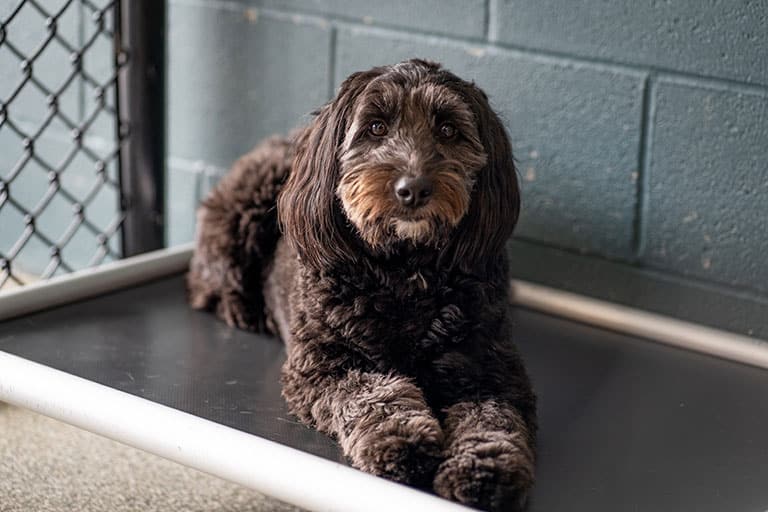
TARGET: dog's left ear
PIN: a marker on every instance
(479, 243)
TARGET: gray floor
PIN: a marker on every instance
(48, 466)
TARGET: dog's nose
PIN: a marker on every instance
(413, 191)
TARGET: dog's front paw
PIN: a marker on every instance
(488, 470)
(405, 447)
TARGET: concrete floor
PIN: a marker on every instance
(48, 466)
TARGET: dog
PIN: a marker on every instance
(372, 241)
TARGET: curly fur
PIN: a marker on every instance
(396, 320)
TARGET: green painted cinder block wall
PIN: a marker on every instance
(641, 128)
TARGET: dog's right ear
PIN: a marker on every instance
(310, 217)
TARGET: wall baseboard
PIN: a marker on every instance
(714, 305)
(633, 321)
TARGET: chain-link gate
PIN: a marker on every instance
(69, 161)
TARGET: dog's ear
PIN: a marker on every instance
(478, 246)
(309, 214)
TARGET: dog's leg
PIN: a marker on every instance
(222, 276)
(489, 456)
(381, 421)
(236, 234)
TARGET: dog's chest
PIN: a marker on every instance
(401, 322)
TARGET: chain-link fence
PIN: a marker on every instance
(59, 188)
(61, 136)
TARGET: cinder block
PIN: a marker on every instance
(574, 129)
(708, 185)
(724, 39)
(181, 202)
(237, 75)
(465, 18)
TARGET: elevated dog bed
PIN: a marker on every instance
(626, 424)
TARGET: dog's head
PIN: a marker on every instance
(408, 155)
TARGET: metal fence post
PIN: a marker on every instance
(140, 41)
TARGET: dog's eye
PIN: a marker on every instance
(447, 131)
(377, 128)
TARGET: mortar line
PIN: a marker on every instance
(489, 5)
(647, 118)
(332, 62)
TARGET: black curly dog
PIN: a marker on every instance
(372, 242)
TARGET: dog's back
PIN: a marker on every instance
(237, 232)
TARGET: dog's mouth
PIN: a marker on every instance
(418, 215)
(415, 229)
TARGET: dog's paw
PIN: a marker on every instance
(234, 310)
(487, 470)
(405, 447)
